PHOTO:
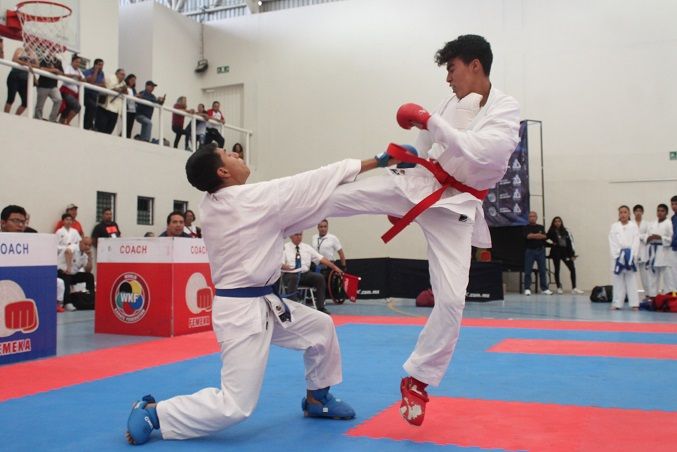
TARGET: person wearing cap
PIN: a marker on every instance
(144, 113)
(71, 209)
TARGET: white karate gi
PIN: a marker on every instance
(670, 278)
(642, 255)
(659, 257)
(624, 236)
(244, 230)
(476, 152)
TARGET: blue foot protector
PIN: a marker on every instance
(329, 407)
(142, 421)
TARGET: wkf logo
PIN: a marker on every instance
(130, 298)
(17, 313)
(199, 295)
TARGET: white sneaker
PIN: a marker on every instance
(559, 291)
(527, 292)
(69, 307)
(577, 291)
(547, 292)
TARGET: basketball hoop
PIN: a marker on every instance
(43, 27)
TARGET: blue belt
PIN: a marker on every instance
(245, 292)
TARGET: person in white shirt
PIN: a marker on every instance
(76, 269)
(243, 227)
(67, 237)
(69, 91)
(658, 253)
(624, 246)
(296, 260)
(107, 114)
(328, 244)
(643, 227)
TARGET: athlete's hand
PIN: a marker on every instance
(412, 115)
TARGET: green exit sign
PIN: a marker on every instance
(673, 155)
(222, 69)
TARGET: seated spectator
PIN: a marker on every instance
(213, 133)
(175, 225)
(239, 150)
(13, 219)
(130, 80)
(296, 262)
(47, 87)
(94, 76)
(67, 238)
(144, 113)
(75, 269)
(108, 112)
(190, 228)
(71, 209)
(70, 105)
(107, 228)
(17, 80)
(177, 122)
(149, 234)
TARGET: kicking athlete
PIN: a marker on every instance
(469, 139)
(244, 227)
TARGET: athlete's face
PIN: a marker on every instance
(463, 77)
(638, 214)
(236, 169)
(661, 213)
(623, 215)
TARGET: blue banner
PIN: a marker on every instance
(507, 204)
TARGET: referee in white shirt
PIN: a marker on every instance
(296, 259)
(328, 245)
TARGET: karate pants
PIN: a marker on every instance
(448, 251)
(655, 277)
(243, 362)
(643, 277)
(624, 284)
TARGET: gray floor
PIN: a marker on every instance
(75, 330)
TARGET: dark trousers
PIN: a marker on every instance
(569, 262)
(130, 123)
(178, 133)
(106, 120)
(81, 277)
(537, 255)
(291, 281)
(90, 111)
(214, 135)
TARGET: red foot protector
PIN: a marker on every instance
(586, 348)
(541, 427)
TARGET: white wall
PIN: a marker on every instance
(48, 166)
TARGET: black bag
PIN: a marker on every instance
(601, 294)
(82, 300)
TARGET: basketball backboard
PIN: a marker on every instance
(71, 32)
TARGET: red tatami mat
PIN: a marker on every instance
(586, 348)
(538, 427)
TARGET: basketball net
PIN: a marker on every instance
(43, 28)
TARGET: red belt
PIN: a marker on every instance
(401, 154)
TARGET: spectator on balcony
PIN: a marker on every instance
(130, 80)
(2, 49)
(177, 122)
(47, 87)
(17, 80)
(70, 105)
(239, 150)
(213, 133)
(201, 125)
(72, 210)
(94, 76)
(144, 113)
(175, 224)
(107, 113)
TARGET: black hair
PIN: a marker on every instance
(673, 199)
(75, 57)
(552, 225)
(129, 77)
(107, 209)
(175, 212)
(236, 145)
(201, 168)
(624, 206)
(97, 61)
(66, 215)
(662, 206)
(186, 213)
(10, 209)
(637, 206)
(467, 48)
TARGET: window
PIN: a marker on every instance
(144, 210)
(180, 206)
(104, 200)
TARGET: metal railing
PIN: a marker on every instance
(122, 117)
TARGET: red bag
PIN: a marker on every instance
(426, 299)
(666, 302)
